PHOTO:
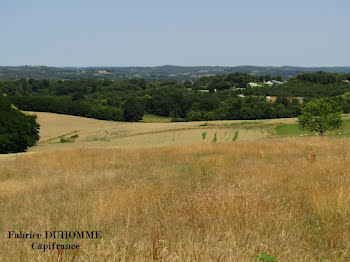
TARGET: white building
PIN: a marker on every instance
(269, 83)
(252, 84)
(277, 82)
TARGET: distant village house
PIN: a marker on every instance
(252, 84)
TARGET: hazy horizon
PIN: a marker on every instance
(136, 66)
(152, 33)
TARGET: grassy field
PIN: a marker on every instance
(192, 199)
(290, 130)
(283, 130)
(92, 133)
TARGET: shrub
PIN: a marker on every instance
(235, 136)
(69, 140)
(215, 138)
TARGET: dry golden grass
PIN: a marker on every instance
(56, 125)
(214, 202)
(94, 133)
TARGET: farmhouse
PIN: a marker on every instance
(269, 83)
(252, 84)
(300, 99)
(277, 82)
(271, 98)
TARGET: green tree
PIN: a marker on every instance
(18, 131)
(133, 109)
(320, 115)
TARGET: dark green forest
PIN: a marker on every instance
(221, 97)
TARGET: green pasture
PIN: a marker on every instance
(283, 130)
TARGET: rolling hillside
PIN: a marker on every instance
(92, 133)
(159, 73)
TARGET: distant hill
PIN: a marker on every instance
(159, 73)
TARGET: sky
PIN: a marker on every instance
(175, 32)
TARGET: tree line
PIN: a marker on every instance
(209, 98)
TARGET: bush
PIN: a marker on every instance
(69, 140)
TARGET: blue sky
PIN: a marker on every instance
(181, 32)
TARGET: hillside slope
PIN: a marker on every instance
(94, 133)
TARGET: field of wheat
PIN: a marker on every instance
(224, 201)
(92, 133)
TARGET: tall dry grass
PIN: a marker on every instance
(216, 202)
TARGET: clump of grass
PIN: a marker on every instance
(93, 139)
(310, 157)
(204, 134)
(264, 257)
(247, 123)
(64, 140)
(215, 138)
(235, 136)
(158, 249)
(69, 139)
(74, 136)
(205, 124)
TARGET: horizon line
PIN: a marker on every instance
(119, 66)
